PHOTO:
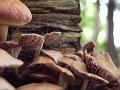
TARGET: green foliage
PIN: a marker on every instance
(88, 25)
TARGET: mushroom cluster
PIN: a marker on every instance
(47, 68)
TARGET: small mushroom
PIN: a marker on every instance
(80, 70)
(32, 42)
(40, 86)
(8, 44)
(89, 47)
(51, 37)
(101, 65)
(5, 85)
(12, 12)
(12, 47)
(53, 54)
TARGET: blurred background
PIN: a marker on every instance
(101, 22)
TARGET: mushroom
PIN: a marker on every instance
(39, 67)
(32, 42)
(89, 47)
(51, 37)
(12, 47)
(12, 12)
(40, 86)
(6, 60)
(53, 54)
(5, 85)
(101, 65)
(6, 45)
(65, 76)
(80, 70)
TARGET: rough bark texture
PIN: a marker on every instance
(56, 15)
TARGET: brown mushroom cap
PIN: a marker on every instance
(68, 75)
(43, 60)
(6, 60)
(80, 70)
(14, 12)
(8, 45)
(54, 54)
(12, 47)
(89, 47)
(5, 85)
(31, 41)
(40, 86)
(101, 64)
(73, 56)
(52, 37)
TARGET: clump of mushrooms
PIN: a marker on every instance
(51, 69)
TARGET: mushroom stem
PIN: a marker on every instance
(3, 32)
(84, 86)
(62, 82)
(37, 51)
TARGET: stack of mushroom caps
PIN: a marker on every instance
(51, 66)
(44, 67)
(9, 62)
(100, 63)
(79, 69)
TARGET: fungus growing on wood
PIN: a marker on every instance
(12, 12)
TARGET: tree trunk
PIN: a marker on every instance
(97, 21)
(56, 15)
(111, 46)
